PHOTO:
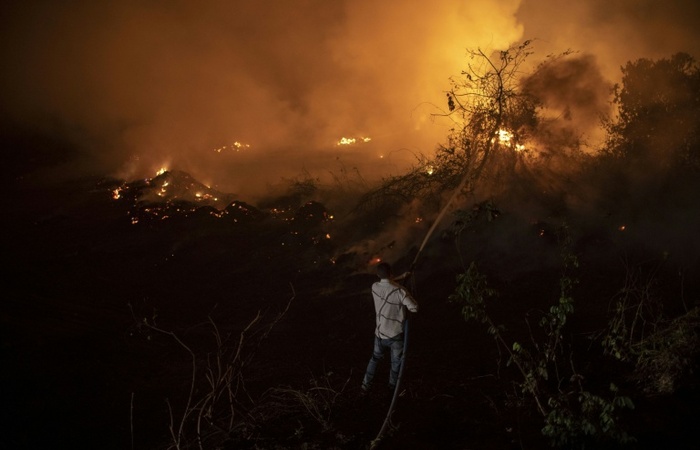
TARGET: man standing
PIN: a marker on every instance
(391, 301)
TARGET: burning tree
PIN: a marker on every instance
(490, 114)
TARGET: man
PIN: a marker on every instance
(391, 301)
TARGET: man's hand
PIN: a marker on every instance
(403, 276)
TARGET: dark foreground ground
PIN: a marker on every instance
(79, 369)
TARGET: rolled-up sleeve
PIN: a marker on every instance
(409, 302)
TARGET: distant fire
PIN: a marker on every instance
(235, 147)
(352, 140)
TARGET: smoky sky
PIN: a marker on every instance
(141, 85)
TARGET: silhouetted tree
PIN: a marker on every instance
(658, 120)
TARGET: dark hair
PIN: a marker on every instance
(383, 270)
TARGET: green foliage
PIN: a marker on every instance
(574, 420)
(571, 413)
(472, 291)
(661, 350)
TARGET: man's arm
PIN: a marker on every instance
(409, 301)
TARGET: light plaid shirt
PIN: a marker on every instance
(390, 303)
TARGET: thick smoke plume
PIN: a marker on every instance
(147, 85)
(143, 85)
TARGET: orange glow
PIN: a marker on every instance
(236, 146)
(374, 261)
(507, 139)
(346, 141)
(505, 136)
(352, 140)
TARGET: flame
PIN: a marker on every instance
(374, 261)
(236, 146)
(504, 136)
(161, 171)
(346, 141)
(507, 139)
(352, 140)
(429, 170)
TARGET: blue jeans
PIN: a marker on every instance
(394, 344)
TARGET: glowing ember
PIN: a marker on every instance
(346, 141)
(375, 260)
(419, 219)
(351, 140)
(622, 228)
(161, 171)
(236, 146)
(429, 170)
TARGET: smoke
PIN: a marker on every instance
(144, 85)
(615, 32)
(575, 96)
(243, 93)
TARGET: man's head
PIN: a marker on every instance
(383, 270)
